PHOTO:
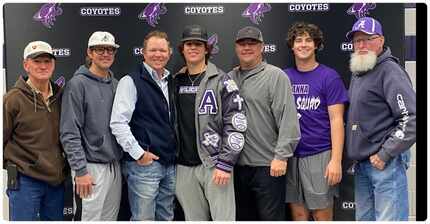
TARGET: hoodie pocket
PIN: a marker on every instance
(364, 147)
(98, 142)
(95, 143)
(49, 163)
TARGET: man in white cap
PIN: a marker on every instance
(378, 137)
(92, 151)
(33, 155)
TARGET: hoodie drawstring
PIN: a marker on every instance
(34, 101)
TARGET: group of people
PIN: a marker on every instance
(229, 146)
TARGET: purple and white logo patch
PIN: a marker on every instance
(213, 41)
(231, 85)
(236, 141)
(255, 11)
(48, 13)
(239, 100)
(360, 10)
(152, 13)
(239, 122)
(211, 139)
(208, 105)
(60, 81)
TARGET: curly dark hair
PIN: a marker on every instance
(299, 28)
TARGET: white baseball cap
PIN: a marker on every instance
(37, 48)
(102, 38)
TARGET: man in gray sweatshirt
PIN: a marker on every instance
(272, 135)
(381, 125)
(91, 149)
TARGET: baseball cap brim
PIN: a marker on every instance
(252, 38)
(194, 38)
(104, 44)
(38, 54)
(350, 34)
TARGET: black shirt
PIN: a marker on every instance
(186, 89)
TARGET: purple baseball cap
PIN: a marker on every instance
(366, 25)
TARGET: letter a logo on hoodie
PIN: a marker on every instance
(208, 104)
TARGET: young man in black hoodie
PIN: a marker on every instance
(91, 149)
(33, 155)
(381, 125)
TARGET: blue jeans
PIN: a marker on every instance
(382, 195)
(151, 190)
(35, 200)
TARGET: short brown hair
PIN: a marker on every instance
(155, 33)
(299, 28)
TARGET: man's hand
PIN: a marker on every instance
(147, 159)
(278, 168)
(84, 185)
(220, 177)
(333, 172)
(377, 162)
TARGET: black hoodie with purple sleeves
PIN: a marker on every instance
(382, 112)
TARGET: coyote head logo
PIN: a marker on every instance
(255, 11)
(152, 13)
(360, 10)
(47, 14)
(213, 40)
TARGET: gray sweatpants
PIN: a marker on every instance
(103, 204)
(200, 198)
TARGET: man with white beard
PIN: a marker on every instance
(381, 125)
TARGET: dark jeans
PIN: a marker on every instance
(259, 196)
(36, 200)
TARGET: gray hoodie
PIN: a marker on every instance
(85, 116)
(273, 128)
(382, 113)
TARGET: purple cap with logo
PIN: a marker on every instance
(366, 25)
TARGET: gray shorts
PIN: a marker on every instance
(306, 183)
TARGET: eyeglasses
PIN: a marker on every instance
(102, 50)
(364, 40)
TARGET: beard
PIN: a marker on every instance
(360, 63)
